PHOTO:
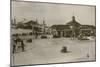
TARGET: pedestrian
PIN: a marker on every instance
(14, 46)
(22, 46)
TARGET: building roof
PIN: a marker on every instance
(87, 27)
(27, 24)
(60, 27)
(73, 22)
(31, 22)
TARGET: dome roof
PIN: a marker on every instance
(73, 22)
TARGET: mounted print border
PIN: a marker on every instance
(45, 33)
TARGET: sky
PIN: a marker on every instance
(52, 13)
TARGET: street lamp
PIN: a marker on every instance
(71, 27)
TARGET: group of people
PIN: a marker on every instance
(18, 44)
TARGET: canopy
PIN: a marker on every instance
(20, 31)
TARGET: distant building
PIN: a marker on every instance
(34, 26)
(13, 23)
(88, 30)
(73, 29)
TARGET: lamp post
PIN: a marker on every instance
(72, 34)
(32, 30)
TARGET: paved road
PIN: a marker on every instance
(42, 51)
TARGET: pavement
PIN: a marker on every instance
(43, 51)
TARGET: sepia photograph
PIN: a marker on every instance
(52, 33)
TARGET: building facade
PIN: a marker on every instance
(37, 28)
(73, 29)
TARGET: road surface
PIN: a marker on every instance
(42, 51)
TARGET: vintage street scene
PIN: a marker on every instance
(46, 33)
